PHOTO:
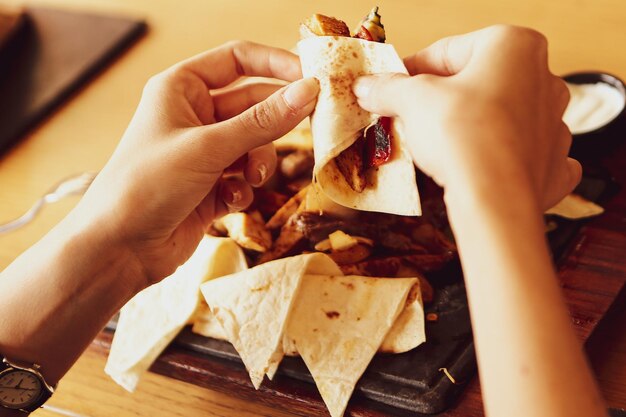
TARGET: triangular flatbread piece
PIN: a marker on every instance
(153, 318)
(340, 324)
(253, 306)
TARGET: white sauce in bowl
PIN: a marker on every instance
(592, 106)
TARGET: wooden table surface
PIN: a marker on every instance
(583, 34)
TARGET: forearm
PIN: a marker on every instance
(59, 294)
(530, 361)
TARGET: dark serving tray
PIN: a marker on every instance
(414, 381)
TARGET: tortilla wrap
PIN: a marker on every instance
(253, 306)
(340, 324)
(151, 319)
(338, 122)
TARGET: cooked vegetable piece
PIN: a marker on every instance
(247, 229)
(351, 255)
(325, 245)
(341, 241)
(296, 185)
(374, 267)
(287, 210)
(371, 28)
(268, 202)
(296, 163)
(289, 242)
(378, 143)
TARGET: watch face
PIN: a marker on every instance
(18, 389)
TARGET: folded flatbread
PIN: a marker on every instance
(252, 307)
(338, 121)
(304, 305)
(338, 327)
(406, 333)
(153, 318)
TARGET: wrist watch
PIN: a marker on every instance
(22, 388)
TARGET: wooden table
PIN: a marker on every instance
(585, 34)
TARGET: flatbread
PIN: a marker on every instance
(338, 121)
(339, 325)
(206, 324)
(151, 319)
(408, 331)
(575, 207)
(253, 306)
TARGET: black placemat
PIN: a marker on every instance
(54, 54)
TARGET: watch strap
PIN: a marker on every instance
(44, 395)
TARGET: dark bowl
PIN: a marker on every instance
(601, 141)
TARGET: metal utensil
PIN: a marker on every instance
(74, 185)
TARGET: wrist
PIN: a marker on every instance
(70, 283)
(100, 252)
(501, 199)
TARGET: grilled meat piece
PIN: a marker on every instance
(268, 202)
(391, 233)
(350, 164)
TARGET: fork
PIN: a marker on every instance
(74, 185)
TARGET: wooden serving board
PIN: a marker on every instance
(592, 273)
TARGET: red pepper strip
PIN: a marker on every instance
(378, 143)
(364, 34)
(377, 137)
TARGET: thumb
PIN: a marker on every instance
(383, 94)
(264, 122)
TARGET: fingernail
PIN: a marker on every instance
(301, 93)
(362, 86)
(262, 170)
(257, 174)
(235, 196)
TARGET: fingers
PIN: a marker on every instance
(260, 124)
(575, 172)
(447, 56)
(238, 99)
(383, 94)
(261, 165)
(220, 66)
(227, 196)
(564, 140)
(562, 94)
(563, 181)
(235, 194)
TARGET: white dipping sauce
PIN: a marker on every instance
(592, 106)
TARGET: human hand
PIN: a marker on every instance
(482, 109)
(164, 184)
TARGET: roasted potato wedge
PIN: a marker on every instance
(247, 229)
